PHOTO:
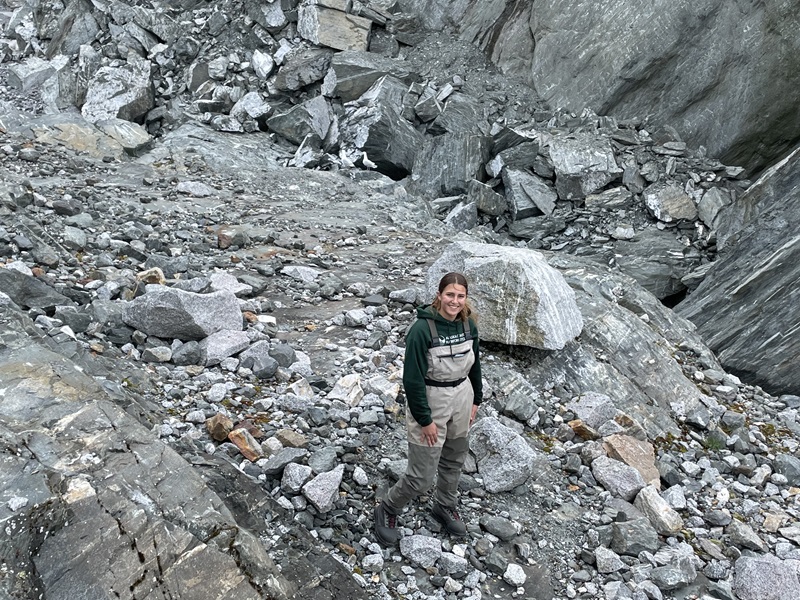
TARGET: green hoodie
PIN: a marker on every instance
(418, 341)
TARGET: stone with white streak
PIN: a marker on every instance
(663, 517)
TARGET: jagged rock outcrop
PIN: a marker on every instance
(727, 82)
(746, 308)
(138, 519)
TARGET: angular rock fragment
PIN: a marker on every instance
(617, 477)
(295, 477)
(663, 518)
(528, 195)
(486, 199)
(390, 142)
(421, 550)
(333, 28)
(710, 205)
(173, 313)
(32, 73)
(504, 459)
(313, 117)
(246, 444)
(762, 577)
(302, 69)
(583, 164)
(447, 163)
(124, 92)
(323, 490)
(133, 138)
(263, 64)
(637, 453)
(219, 426)
(270, 15)
(28, 292)
(656, 261)
(355, 72)
(463, 217)
(668, 203)
(222, 344)
(634, 536)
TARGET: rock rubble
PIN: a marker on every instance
(201, 346)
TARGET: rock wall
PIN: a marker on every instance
(746, 308)
(724, 74)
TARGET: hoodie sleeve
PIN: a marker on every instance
(475, 372)
(418, 340)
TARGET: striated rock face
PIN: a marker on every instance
(746, 308)
(724, 74)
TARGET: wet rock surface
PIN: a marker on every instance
(201, 342)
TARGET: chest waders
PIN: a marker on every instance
(450, 395)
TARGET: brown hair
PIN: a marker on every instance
(457, 279)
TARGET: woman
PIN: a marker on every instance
(442, 379)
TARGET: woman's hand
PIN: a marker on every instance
(430, 434)
(474, 412)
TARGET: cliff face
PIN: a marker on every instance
(746, 307)
(724, 74)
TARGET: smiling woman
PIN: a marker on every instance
(442, 379)
(451, 299)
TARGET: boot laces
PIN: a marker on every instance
(391, 521)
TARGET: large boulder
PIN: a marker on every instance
(746, 307)
(172, 313)
(124, 92)
(519, 298)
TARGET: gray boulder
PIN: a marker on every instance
(29, 292)
(618, 478)
(311, 118)
(323, 490)
(333, 28)
(389, 141)
(222, 344)
(520, 299)
(504, 459)
(172, 313)
(124, 92)
(446, 164)
(302, 69)
(583, 164)
(355, 72)
(421, 550)
(528, 195)
(656, 260)
(765, 578)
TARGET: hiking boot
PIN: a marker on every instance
(386, 526)
(450, 518)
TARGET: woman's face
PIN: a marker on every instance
(452, 300)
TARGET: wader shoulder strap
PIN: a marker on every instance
(434, 333)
